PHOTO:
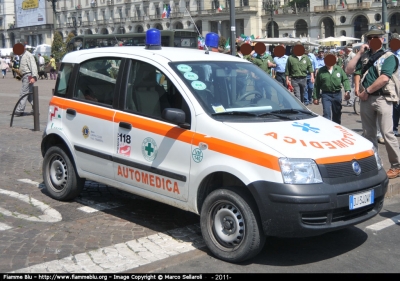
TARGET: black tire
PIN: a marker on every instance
(231, 226)
(59, 174)
(356, 105)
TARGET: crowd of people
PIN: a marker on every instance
(370, 72)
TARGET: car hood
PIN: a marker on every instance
(317, 138)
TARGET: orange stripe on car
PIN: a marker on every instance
(84, 108)
(345, 158)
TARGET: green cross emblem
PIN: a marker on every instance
(149, 149)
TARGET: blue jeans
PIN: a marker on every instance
(309, 90)
(332, 102)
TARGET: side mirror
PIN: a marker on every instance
(175, 116)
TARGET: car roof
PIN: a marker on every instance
(170, 53)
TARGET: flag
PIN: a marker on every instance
(168, 11)
(220, 8)
(227, 45)
(342, 3)
(164, 13)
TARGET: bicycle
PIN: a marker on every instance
(356, 105)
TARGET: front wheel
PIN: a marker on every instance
(230, 225)
(59, 174)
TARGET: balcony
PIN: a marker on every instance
(137, 18)
(324, 9)
(119, 20)
(101, 22)
(93, 5)
(176, 15)
(110, 2)
(155, 17)
(78, 7)
(394, 5)
(358, 6)
(87, 23)
(63, 8)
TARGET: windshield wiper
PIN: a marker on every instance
(276, 115)
(242, 113)
(294, 111)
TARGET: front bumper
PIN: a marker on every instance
(308, 210)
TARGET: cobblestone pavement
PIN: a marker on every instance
(104, 230)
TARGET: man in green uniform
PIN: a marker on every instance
(297, 67)
(378, 71)
(330, 79)
(266, 63)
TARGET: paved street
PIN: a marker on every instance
(104, 230)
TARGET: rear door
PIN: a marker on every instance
(89, 115)
(152, 154)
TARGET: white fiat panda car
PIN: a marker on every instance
(211, 134)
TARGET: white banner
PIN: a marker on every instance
(30, 12)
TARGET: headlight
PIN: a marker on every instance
(299, 171)
(377, 158)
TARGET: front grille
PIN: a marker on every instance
(345, 169)
(344, 214)
(335, 216)
(315, 219)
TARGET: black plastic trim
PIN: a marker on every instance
(131, 164)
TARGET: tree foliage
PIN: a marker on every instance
(69, 37)
(58, 47)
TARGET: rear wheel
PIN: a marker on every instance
(59, 174)
(230, 225)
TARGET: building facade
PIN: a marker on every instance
(319, 19)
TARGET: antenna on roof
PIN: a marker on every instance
(195, 26)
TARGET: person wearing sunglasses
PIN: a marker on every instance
(376, 80)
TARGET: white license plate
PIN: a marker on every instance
(361, 199)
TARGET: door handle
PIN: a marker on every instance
(71, 111)
(125, 125)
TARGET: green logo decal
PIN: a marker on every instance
(149, 149)
(197, 155)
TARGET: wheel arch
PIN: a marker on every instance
(55, 139)
(219, 180)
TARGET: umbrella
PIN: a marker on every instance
(327, 39)
(335, 39)
(286, 41)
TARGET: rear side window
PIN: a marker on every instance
(64, 74)
(96, 80)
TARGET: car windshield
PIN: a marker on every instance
(237, 88)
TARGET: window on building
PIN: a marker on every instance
(120, 13)
(1, 22)
(187, 4)
(215, 4)
(103, 12)
(40, 39)
(138, 12)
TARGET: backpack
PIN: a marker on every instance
(393, 86)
